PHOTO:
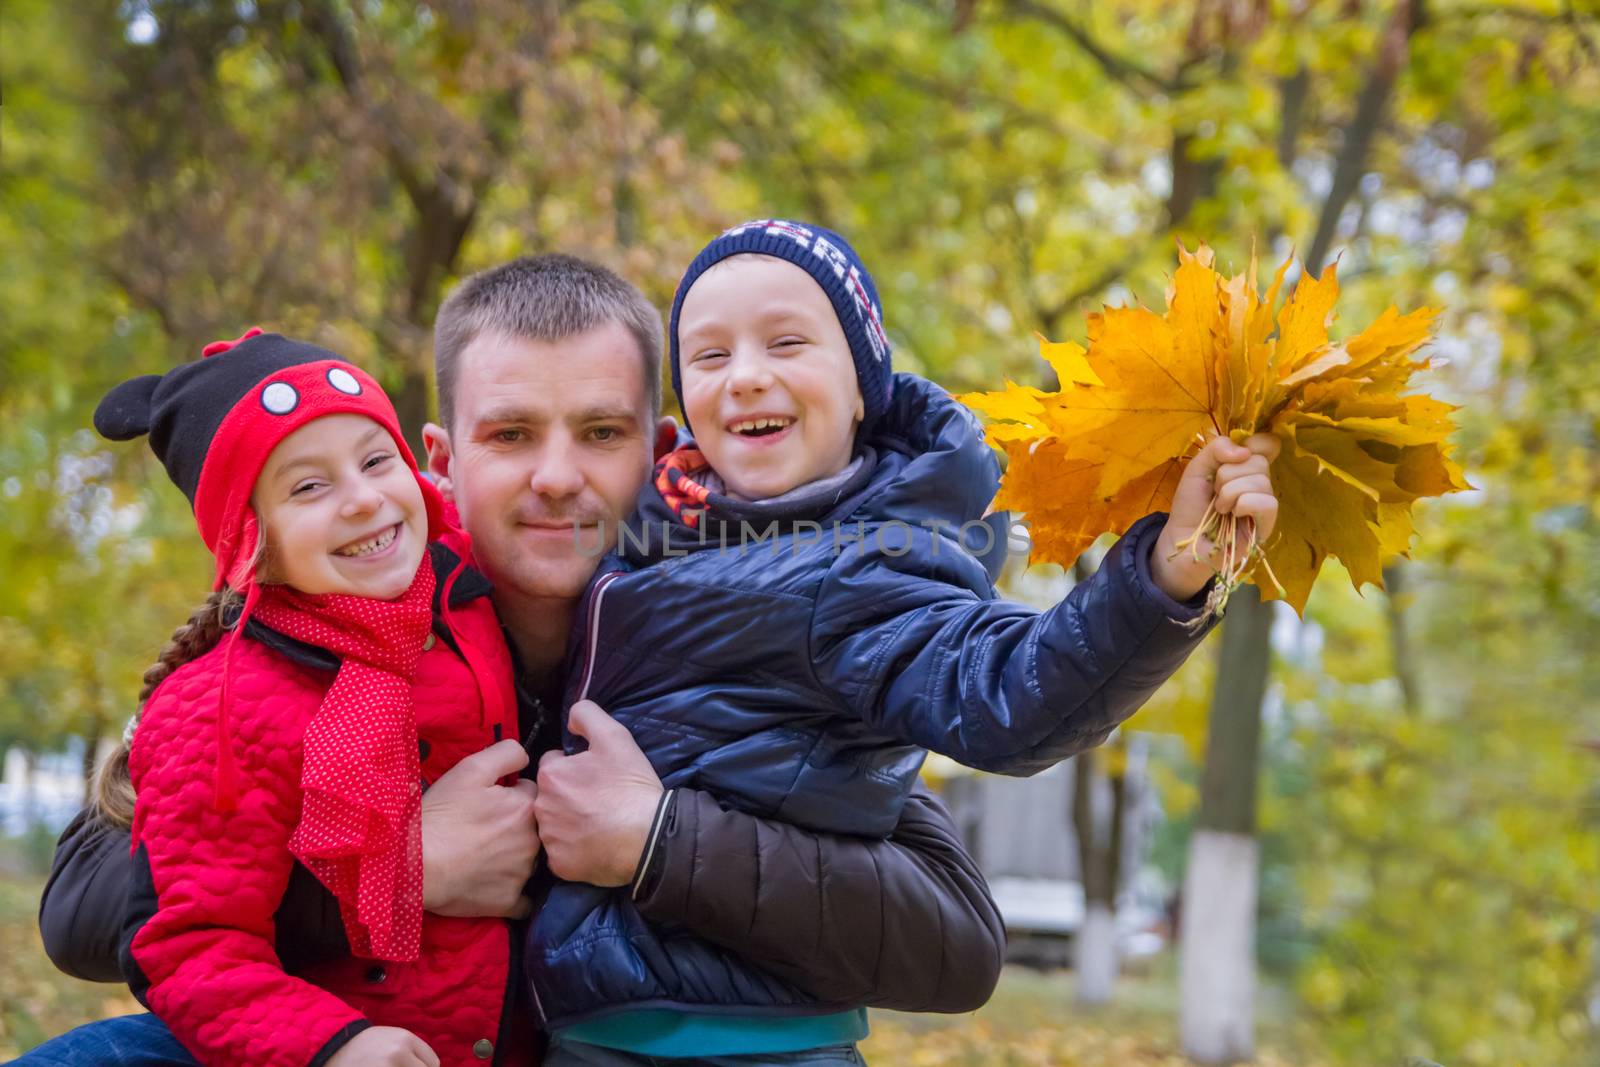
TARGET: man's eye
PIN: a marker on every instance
(605, 433)
(508, 436)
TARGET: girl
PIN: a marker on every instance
(299, 716)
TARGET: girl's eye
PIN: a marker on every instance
(303, 488)
(375, 460)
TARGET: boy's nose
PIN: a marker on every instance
(749, 373)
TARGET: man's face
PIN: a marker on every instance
(552, 442)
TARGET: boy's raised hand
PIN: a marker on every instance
(1236, 477)
(385, 1046)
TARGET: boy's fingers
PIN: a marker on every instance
(1229, 494)
(1264, 444)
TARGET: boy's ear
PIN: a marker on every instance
(437, 441)
(666, 436)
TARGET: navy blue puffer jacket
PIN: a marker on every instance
(798, 668)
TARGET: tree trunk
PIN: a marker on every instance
(1098, 810)
(1217, 939)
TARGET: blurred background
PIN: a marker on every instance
(1413, 773)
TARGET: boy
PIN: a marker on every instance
(791, 618)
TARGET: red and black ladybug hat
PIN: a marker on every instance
(214, 422)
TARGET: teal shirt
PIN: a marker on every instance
(676, 1033)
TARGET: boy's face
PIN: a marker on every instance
(341, 511)
(768, 382)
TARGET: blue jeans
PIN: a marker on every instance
(126, 1041)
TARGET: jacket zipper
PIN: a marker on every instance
(591, 640)
(593, 637)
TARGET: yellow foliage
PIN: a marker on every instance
(1108, 447)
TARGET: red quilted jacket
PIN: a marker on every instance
(201, 951)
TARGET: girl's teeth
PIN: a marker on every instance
(366, 548)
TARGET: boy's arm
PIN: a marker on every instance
(904, 922)
(913, 644)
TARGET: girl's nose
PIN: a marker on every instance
(362, 499)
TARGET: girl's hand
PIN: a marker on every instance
(384, 1046)
(1232, 477)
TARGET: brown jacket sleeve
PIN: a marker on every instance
(904, 922)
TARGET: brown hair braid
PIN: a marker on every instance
(112, 791)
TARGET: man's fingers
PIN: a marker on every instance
(493, 763)
(588, 721)
(550, 759)
(521, 909)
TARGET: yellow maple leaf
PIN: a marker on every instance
(1108, 446)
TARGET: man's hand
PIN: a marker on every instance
(479, 838)
(385, 1046)
(595, 808)
(1235, 478)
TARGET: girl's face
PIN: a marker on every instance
(341, 511)
(768, 382)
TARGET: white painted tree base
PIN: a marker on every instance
(1097, 955)
(1217, 970)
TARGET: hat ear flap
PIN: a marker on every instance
(240, 571)
(433, 507)
(125, 412)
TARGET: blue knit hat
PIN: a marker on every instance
(830, 260)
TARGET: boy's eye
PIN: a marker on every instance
(788, 342)
(702, 357)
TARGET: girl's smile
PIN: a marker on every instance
(340, 511)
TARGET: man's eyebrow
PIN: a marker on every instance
(604, 413)
(509, 414)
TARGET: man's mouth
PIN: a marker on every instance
(765, 426)
(371, 545)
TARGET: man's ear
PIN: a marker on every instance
(437, 440)
(666, 436)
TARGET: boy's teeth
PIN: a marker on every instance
(753, 425)
(366, 548)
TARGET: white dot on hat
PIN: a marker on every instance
(344, 381)
(280, 398)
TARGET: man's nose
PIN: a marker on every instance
(556, 472)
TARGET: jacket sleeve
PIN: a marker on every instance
(915, 644)
(85, 901)
(904, 922)
(80, 913)
(198, 947)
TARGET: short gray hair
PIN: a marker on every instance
(543, 298)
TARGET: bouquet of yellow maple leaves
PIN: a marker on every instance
(1109, 445)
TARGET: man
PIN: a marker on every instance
(549, 391)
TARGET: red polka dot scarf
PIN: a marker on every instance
(360, 829)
